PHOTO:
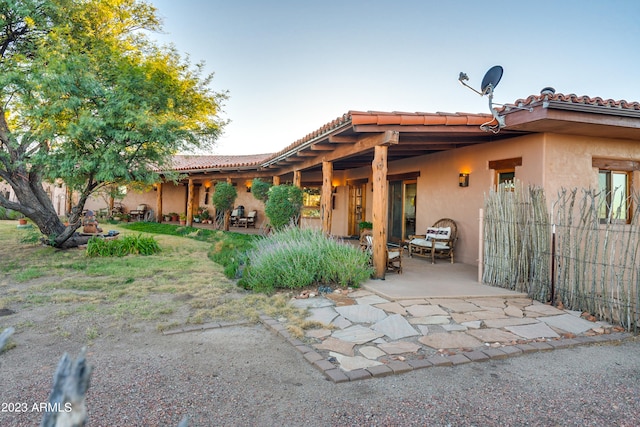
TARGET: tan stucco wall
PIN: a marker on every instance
(569, 160)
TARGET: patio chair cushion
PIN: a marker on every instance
(427, 243)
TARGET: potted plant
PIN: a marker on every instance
(366, 229)
(183, 218)
(125, 217)
(365, 225)
(204, 216)
(174, 216)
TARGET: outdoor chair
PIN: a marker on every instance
(139, 212)
(393, 252)
(249, 220)
(439, 241)
(236, 215)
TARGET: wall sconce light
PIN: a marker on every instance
(463, 180)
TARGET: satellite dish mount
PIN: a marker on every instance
(489, 83)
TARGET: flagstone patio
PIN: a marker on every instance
(367, 334)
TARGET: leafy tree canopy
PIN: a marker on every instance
(86, 96)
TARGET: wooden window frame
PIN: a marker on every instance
(617, 166)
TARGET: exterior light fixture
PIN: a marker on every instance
(463, 180)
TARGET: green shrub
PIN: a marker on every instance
(230, 251)
(131, 244)
(224, 196)
(260, 189)
(295, 258)
(283, 205)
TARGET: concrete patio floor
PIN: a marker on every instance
(421, 279)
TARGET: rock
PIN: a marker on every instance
(513, 311)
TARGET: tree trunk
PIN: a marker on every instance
(35, 204)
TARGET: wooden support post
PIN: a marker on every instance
(159, 202)
(297, 178)
(276, 180)
(190, 203)
(326, 196)
(380, 202)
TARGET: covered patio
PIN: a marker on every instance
(420, 279)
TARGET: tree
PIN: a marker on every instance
(260, 189)
(224, 197)
(283, 205)
(87, 97)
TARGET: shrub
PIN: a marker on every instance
(230, 251)
(295, 258)
(224, 196)
(131, 244)
(260, 189)
(283, 205)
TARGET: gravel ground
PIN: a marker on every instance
(247, 376)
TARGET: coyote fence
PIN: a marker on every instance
(569, 255)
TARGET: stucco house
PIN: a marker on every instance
(404, 171)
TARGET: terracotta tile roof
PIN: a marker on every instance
(575, 99)
(353, 118)
(196, 162)
(377, 118)
(413, 119)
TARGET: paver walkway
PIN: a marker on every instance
(367, 336)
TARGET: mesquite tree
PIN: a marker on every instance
(88, 98)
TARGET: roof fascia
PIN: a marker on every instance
(294, 150)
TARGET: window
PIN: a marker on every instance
(506, 179)
(505, 170)
(614, 189)
(311, 202)
(615, 185)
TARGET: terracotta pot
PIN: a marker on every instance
(22, 221)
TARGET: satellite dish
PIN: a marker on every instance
(491, 78)
(489, 83)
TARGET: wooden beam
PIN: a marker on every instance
(326, 196)
(159, 202)
(318, 147)
(343, 139)
(293, 159)
(306, 154)
(190, 202)
(615, 164)
(505, 163)
(380, 202)
(347, 150)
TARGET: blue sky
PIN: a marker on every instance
(292, 66)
